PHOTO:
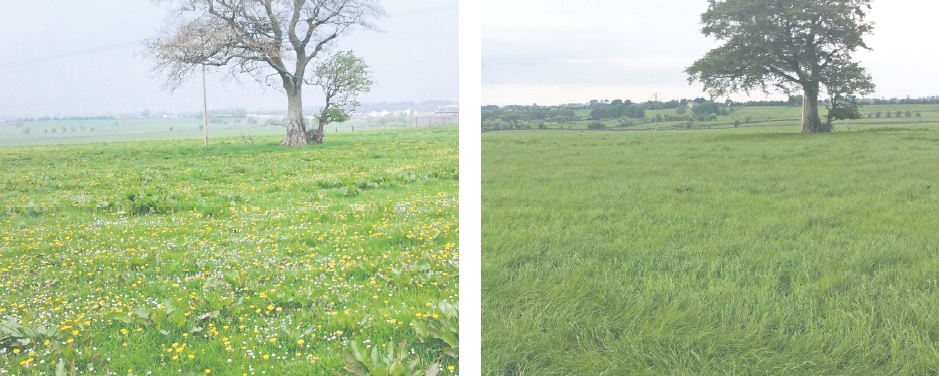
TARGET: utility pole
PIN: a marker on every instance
(205, 110)
(655, 106)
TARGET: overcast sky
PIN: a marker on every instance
(552, 52)
(75, 58)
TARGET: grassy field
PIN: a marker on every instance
(167, 257)
(50, 132)
(772, 115)
(711, 252)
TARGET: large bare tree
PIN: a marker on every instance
(263, 38)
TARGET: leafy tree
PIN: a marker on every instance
(598, 113)
(788, 45)
(681, 110)
(266, 39)
(342, 77)
(707, 108)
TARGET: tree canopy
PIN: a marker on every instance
(788, 45)
(342, 77)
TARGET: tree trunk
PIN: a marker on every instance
(810, 120)
(316, 136)
(296, 129)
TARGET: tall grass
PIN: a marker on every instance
(738, 251)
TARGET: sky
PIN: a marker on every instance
(86, 58)
(555, 52)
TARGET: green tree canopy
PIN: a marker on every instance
(789, 45)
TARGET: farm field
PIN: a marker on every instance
(49, 132)
(167, 257)
(711, 252)
(770, 115)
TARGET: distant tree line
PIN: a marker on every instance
(617, 109)
(514, 114)
(46, 118)
(902, 101)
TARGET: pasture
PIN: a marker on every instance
(167, 257)
(769, 115)
(711, 252)
(51, 132)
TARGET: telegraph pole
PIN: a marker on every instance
(205, 110)
(655, 106)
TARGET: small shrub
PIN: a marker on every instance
(736, 123)
(596, 125)
(541, 125)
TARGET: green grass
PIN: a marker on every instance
(771, 115)
(50, 132)
(168, 257)
(711, 252)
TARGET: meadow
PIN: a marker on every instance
(56, 132)
(737, 251)
(167, 257)
(769, 116)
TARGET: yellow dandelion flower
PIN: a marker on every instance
(299, 341)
